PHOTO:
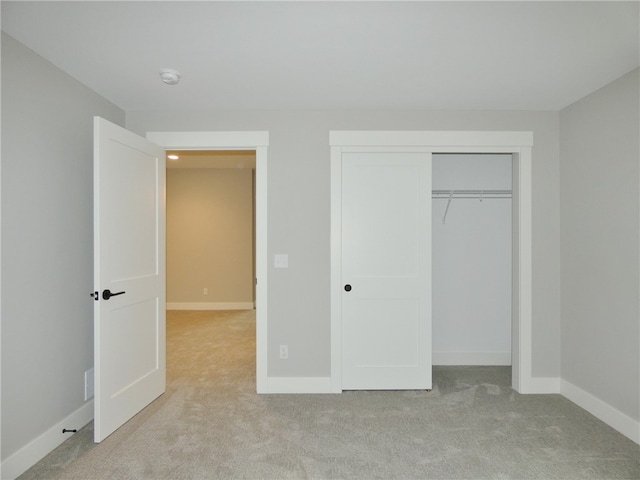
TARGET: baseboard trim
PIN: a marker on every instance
(37, 449)
(471, 358)
(603, 411)
(211, 306)
(543, 385)
(298, 385)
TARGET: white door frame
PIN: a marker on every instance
(259, 142)
(519, 144)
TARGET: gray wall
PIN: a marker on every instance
(299, 220)
(47, 242)
(599, 180)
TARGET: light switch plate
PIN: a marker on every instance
(281, 261)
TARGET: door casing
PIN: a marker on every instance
(519, 144)
(259, 142)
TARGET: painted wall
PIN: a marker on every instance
(600, 194)
(47, 242)
(299, 216)
(472, 262)
(209, 236)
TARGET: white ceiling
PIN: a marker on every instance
(334, 55)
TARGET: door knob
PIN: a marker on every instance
(106, 294)
(347, 288)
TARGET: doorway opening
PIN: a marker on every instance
(210, 202)
(257, 142)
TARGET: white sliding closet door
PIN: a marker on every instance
(386, 288)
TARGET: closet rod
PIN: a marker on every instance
(468, 194)
(472, 193)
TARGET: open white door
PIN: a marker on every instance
(129, 275)
(386, 252)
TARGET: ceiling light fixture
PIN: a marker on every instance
(173, 157)
(170, 76)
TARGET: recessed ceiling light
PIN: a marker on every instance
(170, 76)
(173, 157)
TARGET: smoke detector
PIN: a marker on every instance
(170, 76)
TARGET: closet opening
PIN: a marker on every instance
(472, 259)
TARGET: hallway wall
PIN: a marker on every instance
(209, 238)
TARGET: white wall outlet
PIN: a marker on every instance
(205, 291)
(281, 260)
(284, 352)
(88, 384)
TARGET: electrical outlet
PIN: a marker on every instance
(284, 352)
(88, 384)
(205, 291)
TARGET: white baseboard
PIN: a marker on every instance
(298, 385)
(211, 306)
(34, 451)
(471, 358)
(602, 410)
(543, 385)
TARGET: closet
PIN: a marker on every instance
(471, 259)
(469, 212)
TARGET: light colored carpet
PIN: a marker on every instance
(210, 424)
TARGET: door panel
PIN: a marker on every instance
(384, 343)
(129, 187)
(129, 245)
(386, 221)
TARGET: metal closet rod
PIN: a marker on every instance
(472, 193)
(462, 194)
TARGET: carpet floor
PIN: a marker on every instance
(210, 424)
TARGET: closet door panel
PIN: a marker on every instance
(386, 221)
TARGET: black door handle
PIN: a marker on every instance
(106, 294)
(347, 288)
